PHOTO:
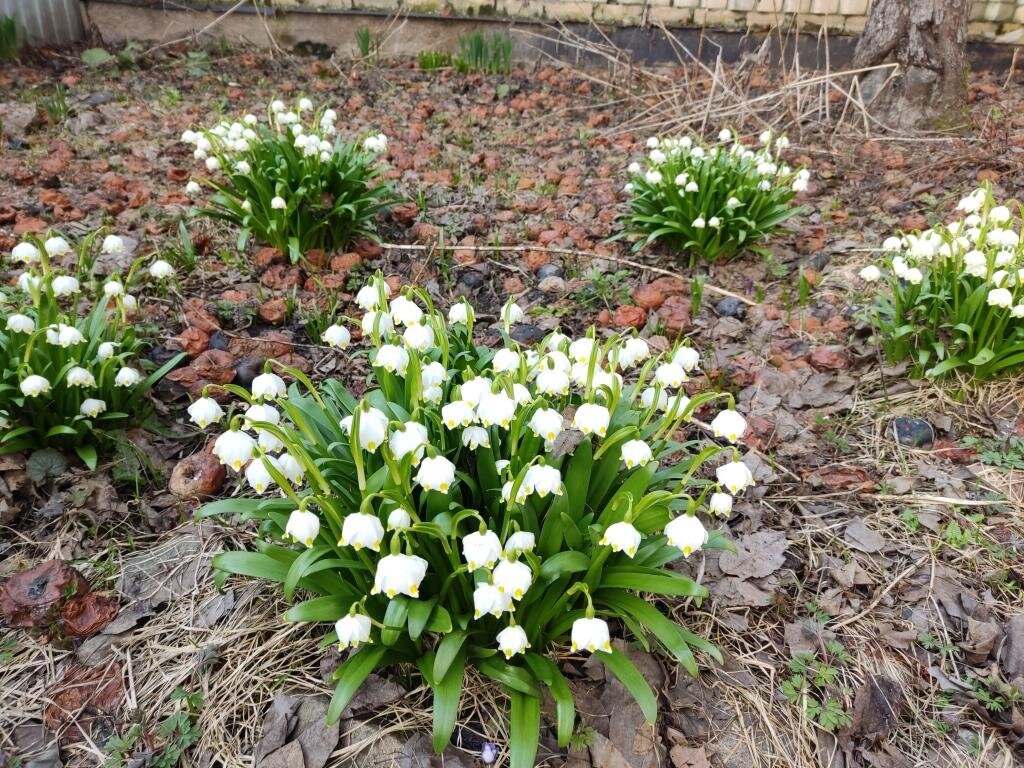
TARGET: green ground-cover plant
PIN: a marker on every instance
(491, 54)
(951, 298)
(480, 507)
(431, 60)
(291, 181)
(10, 40)
(710, 201)
(66, 378)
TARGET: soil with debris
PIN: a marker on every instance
(871, 615)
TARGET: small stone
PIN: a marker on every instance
(31, 598)
(192, 341)
(281, 277)
(552, 284)
(525, 333)
(731, 307)
(471, 279)
(247, 369)
(675, 315)
(648, 296)
(549, 270)
(628, 316)
(536, 260)
(200, 475)
(219, 340)
(274, 311)
(913, 433)
(215, 365)
(265, 257)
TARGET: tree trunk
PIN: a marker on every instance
(927, 38)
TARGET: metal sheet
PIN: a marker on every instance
(51, 22)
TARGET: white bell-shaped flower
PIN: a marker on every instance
(260, 412)
(553, 382)
(636, 453)
(729, 424)
(392, 358)
(58, 246)
(419, 337)
(91, 407)
(687, 534)
(127, 377)
(291, 468)
(336, 336)
(546, 423)
(26, 253)
(405, 312)
(66, 336)
(268, 386)
(474, 389)
(676, 405)
(379, 322)
(161, 270)
(582, 350)
(481, 550)
(234, 448)
(519, 542)
(353, 630)
(512, 640)
(590, 635)
(368, 297)
(458, 413)
(360, 530)
(399, 574)
(512, 313)
(512, 577)
(258, 476)
(487, 598)
(506, 360)
(622, 537)
(436, 474)
(106, 350)
(399, 519)
(670, 375)
(475, 437)
(496, 409)
(460, 313)
(411, 439)
(34, 385)
(542, 480)
(373, 428)
(686, 358)
(735, 476)
(720, 504)
(302, 527)
(18, 323)
(634, 350)
(80, 377)
(65, 285)
(433, 374)
(591, 419)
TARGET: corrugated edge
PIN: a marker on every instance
(48, 22)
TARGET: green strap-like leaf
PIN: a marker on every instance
(350, 676)
(565, 709)
(633, 681)
(524, 729)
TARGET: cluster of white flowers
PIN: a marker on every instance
(762, 162)
(228, 146)
(39, 278)
(983, 244)
(525, 392)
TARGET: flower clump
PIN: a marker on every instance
(509, 500)
(951, 297)
(64, 377)
(289, 179)
(711, 201)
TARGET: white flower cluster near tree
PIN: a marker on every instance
(711, 201)
(951, 297)
(289, 178)
(65, 377)
(504, 499)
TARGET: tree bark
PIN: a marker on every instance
(927, 39)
